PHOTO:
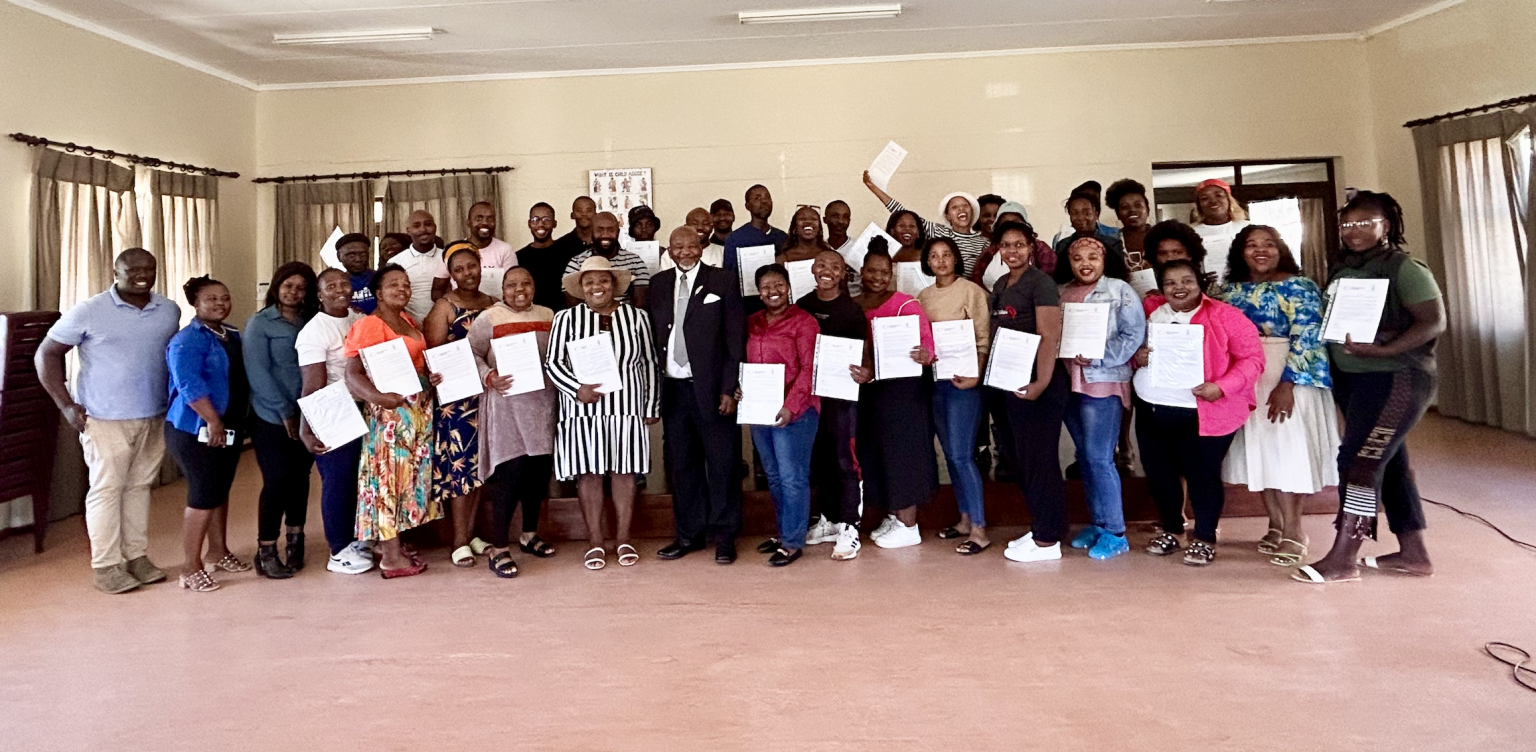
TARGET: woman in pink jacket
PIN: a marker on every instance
(1183, 432)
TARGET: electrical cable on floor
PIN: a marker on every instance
(1522, 674)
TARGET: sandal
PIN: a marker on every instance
(1199, 553)
(627, 558)
(596, 558)
(1371, 562)
(463, 556)
(1271, 541)
(411, 553)
(1163, 545)
(1309, 575)
(503, 566)
(477, 546)
(537, 547)
(232, 564)
(1289, 553)
(951, 533)
(416, 567)
(970, 548)
(199, 582)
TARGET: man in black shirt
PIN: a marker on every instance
(545, 258)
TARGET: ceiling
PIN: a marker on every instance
(510, 38)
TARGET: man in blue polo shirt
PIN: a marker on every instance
(759, 204)
(352, 250)
(118, 407)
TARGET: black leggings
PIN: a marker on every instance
(1174, 454)
(1379, 410)
(285, 466)
(834, 463)
(524, 479)
(209, 472)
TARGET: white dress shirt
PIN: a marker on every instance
(685, 281)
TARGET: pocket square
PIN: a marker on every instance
(711, 298)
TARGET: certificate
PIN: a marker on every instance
(456, 364)
(801, 281)
(593, 361)
(955, 345)
(1177, 359)
(762, 394)
(333, 416)
(854, 256)
(831, 377)
(490, 280)
(885, 164)
(517, 358)
(894, 338)
(1084, 329)
(748, 261)
(1011, 363)
(1354, 309)
(390, 368)
(649, 251)
(1144, 281)
(910, 278)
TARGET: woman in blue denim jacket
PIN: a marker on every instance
(209, 399)
(1101, 388)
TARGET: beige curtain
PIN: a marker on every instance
(308, 212)
(181, 221)
(447, 197)
(1475, 239)
(83, 215)
(1314, 240)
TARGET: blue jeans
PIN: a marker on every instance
(338, 494)
(956, 413)
(1094, 423)
(786, 455)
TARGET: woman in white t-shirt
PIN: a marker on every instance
(1218, 218)
(321, 363)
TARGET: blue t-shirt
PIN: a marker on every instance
(747, 236)
(122, 354)
(362, 297)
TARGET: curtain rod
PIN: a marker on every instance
(92, 151)
(1504, 105)
(382, 174)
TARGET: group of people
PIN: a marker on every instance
(1267, 414)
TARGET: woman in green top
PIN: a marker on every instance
(1382, 388)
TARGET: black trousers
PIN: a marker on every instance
(285, 466)
(209, 472)
(521, 479)
(703, 451)
(1036, 427)
(996, 403)
(1379, 410)
(1174, 454)
(835, 463)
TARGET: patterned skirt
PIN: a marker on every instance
(601, 444)
(456, 449)
(394, 476)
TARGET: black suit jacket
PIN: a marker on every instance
(716, 332)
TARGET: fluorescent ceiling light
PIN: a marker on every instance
(420, 34)
(832, 13)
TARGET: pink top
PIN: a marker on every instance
(792, 341)
(1076, 294)
(902, 304)
(1234, 359)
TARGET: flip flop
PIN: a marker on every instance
(1308, 574)
(596, 558)
(971, 548)
(1371, 562)
(463, 556)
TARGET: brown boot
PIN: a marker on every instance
(145, 571)
(115, 579)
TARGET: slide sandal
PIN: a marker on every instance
(1308, 574)
(596, 558)
(628, 556)
(478, 546)
(463, 557)
(1371, 562)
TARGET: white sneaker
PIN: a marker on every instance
(351, 560)
(821, 532)
(1024, 549)
(883, 528)
(900, 536)
(847, 543)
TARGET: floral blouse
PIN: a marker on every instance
(1291, 308)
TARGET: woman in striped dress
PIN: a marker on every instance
(602, 428)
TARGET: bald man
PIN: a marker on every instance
(118, 408)
(703, 224)
(605, 243)
(423, 263)
(481, 226)
(700, 336)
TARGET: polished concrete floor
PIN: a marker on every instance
(917, 649)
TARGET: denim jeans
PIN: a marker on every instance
(956, 412)
(338, 493)
(1094, 423)
(786, 454)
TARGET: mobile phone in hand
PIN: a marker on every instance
(202, 436)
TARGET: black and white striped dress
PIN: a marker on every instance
(610, 435)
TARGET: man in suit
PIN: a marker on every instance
(701, 341)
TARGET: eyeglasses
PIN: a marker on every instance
(798, 207)
(1364, 224)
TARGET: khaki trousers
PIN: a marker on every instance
(124, 460)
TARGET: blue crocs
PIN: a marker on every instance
(1109, 546)
(1088, 537)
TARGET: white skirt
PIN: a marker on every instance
(1299, 455)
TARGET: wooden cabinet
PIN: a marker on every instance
(29, 421)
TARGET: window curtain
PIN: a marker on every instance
(308, 212)
(447, 197)
(1475, 198)
(180, 218)
(83, 215)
